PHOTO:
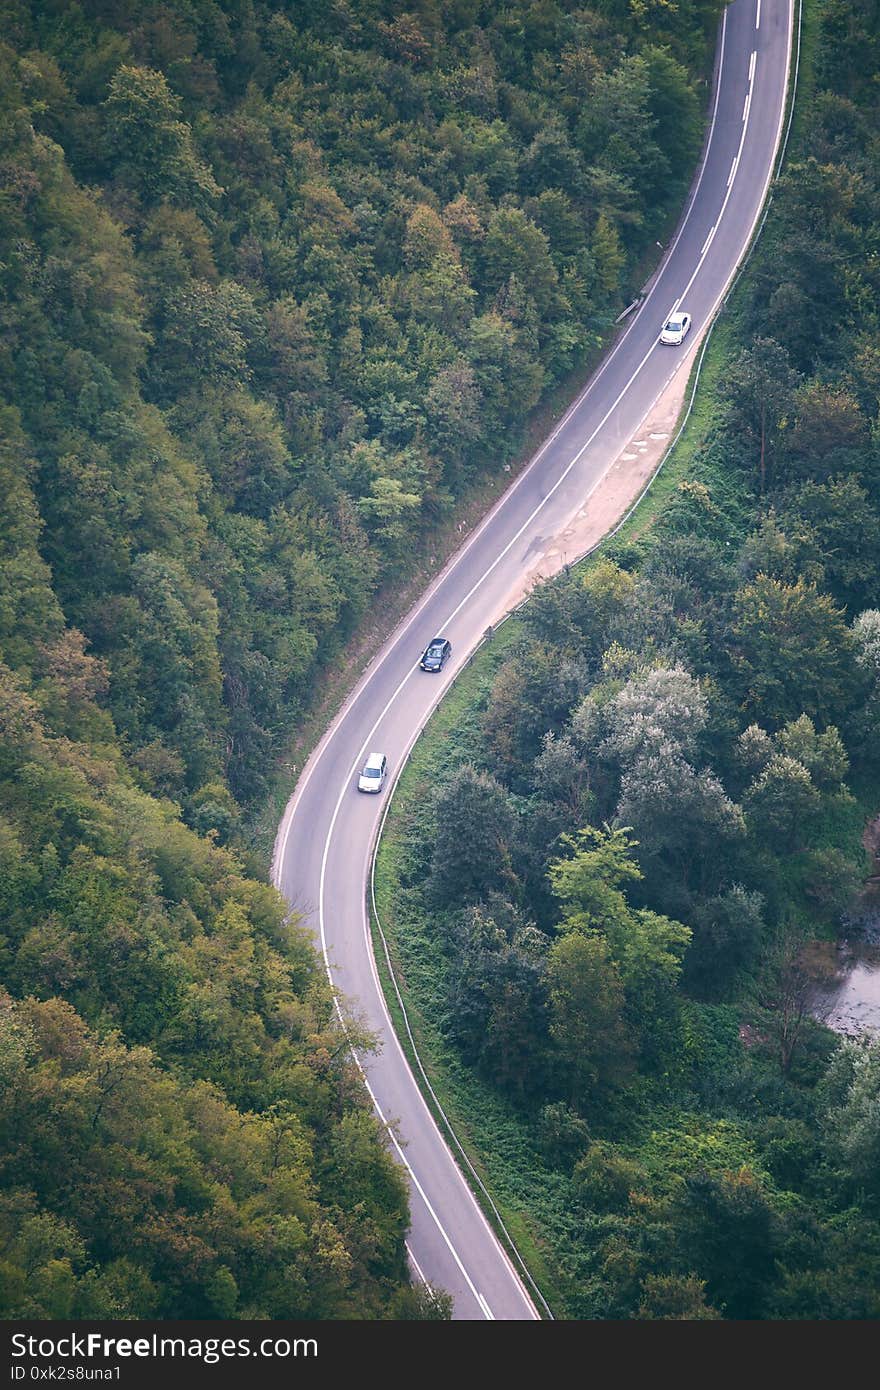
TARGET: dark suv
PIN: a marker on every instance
(436, 654)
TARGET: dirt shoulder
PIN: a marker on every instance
(620, 485)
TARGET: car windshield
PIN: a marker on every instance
(371, 772)
(435, 651)
(673, 325)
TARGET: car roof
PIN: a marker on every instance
(677, 317)
(436, 641)
(374, 760)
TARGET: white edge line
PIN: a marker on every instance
(422, 1193)
(420, 1273)
(389, 1129)
(369, 861)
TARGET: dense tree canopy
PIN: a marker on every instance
(277, 283)
(177, 1097)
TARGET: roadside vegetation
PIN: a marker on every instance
(279, 283)
(615, 919)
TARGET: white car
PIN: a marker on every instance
(373, 773)
(675, 328)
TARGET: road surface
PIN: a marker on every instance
(324, 843)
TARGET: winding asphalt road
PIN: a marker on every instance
(324, 843)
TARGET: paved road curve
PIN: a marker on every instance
(323, 847)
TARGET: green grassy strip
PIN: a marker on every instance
(811, 17)
(462, 1096)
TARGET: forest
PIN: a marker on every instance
(279, 282)
(280, 279)
(617, 915)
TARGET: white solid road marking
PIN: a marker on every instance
(708, 242)
(746, 104)
(487, 1311)
(752, 62)
(420, 1273)
(731, 174)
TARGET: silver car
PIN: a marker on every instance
(373, 773)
